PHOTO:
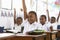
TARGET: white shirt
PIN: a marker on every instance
(18, 27)
(29, 27)
(54, 25)
(45, 27)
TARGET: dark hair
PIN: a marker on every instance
(19, 18)
(53, 17)
(43, 16)
(34, 14)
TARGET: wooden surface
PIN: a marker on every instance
(58, 33)
(23, 37)
(51, 35)
(19, 36)
(31, 37)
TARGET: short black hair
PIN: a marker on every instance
(19, 18)
(33, 13)
(43, 16)
(53, 17)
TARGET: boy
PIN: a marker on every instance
(53, 21)
(30, 19)
(43, 25)
(18, 22)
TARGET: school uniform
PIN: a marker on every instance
(45, 27)
(29, 27)
(18, 27)
(54, 25)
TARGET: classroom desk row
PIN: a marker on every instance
(20, 36)
(58, 33)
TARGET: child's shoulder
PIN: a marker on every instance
(47, 23)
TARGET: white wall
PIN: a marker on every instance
(0, 3)
(41, 7)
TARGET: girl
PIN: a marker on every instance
(43, 25)
(30, 19)
(53, 21)
(18, 22)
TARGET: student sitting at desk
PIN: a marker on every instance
(18, 22)
(30, 19)
(43, 25)
(53, 21)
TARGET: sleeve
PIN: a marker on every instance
(48, 26)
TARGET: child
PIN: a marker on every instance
(53, 21)
(43, 25)
(18, 22)
(30, 19)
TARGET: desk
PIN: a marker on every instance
(51, 35)
(31, 37)
(58, 34)
(19, 36)
(5, 36)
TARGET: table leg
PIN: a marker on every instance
(50, 36)
(44, 37)
(33, 38)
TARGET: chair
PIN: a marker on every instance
(1, 29)
(58, 27)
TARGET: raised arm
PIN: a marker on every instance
(14, 16)
(58, 16)
(48, 15)
(24, 9)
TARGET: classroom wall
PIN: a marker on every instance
(6, 18)
(0, 3)
(39, 7)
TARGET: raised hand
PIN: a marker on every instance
(14, 15)
(59, 13)
(48, 15)
(25, 9)
(58, 16)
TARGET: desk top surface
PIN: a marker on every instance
(24, 35)
(2, 35)
(20, 34)
(6, 35)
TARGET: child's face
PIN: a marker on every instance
(19, 21)
(42, 20)
(53, 20)
(31, 18)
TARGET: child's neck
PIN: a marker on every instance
(18, 24)
(43, 24)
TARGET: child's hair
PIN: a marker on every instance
(34, 14)
(53, 17)
(43, 16)
(19, 18)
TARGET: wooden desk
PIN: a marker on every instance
(22, 37)
(6, 36)
(31, 37)
(58, 34)
(51, 35)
